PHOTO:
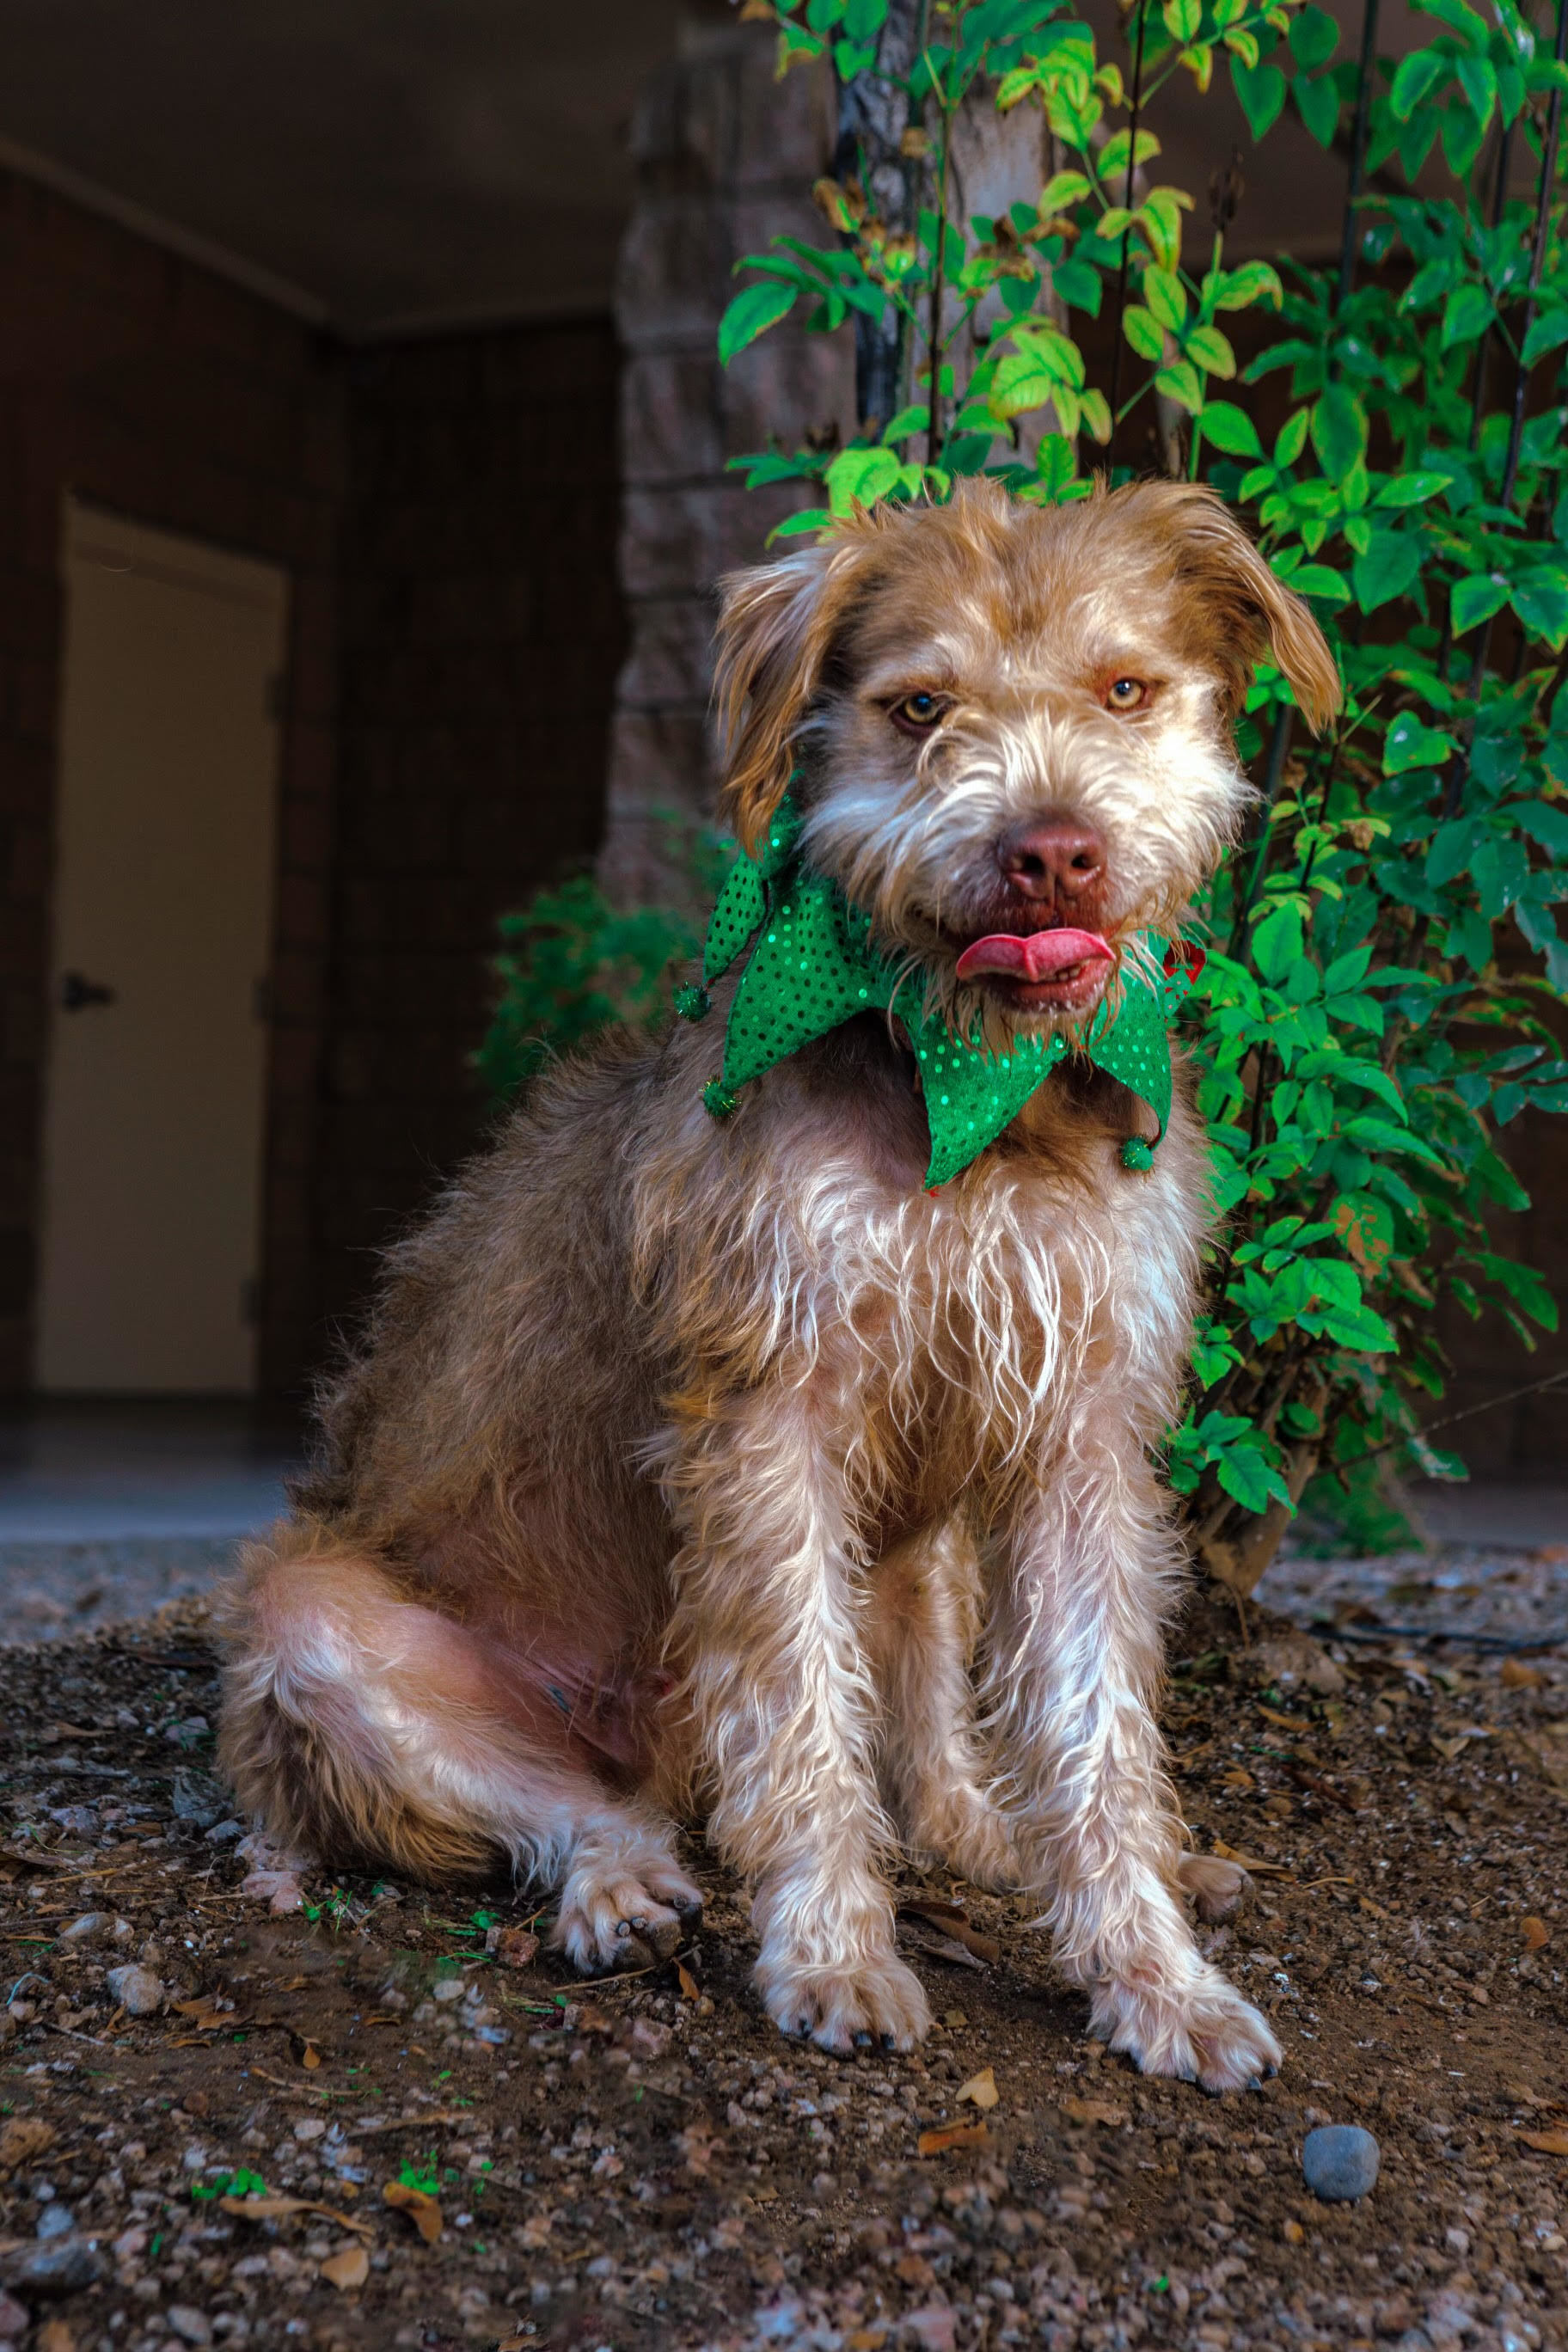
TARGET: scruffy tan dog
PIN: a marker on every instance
(690, 1461)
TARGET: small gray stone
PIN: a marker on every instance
(190, 2325)
(224, 1833)
(136, 1988)
(60, 2266)
(1340, 2161)
(14, 2320)
(56, 2220)
(90, 1928)
(76, 1821)
(197, 1799)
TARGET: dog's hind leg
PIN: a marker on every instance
(364, 1727)
(920, 1630)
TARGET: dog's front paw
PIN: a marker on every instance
(614, 1916)
(1202, 2032)
(844, 2005)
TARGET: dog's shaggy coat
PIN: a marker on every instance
(690, 1463)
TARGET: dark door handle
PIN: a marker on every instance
(77, 992)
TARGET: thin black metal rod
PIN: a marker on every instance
(1349, 237)
(1143, 7)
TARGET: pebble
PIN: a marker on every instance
(136, 1988)
(14, 2320)
(190, 2325)
(89, 1928)
(56, 2220)
(62, 2266)
(1340, 2161)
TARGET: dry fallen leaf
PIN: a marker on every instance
(351, 2267)
(1536, 1933)
(1517, 1676)
(54, 2335)
(689, 1988)
(278, 2209)
(980, 2090)
(422, 2211)
(24, 2137)
(514, 1947)
(1092, 2111)
(1286, 1722)
(1548, 2143)
(1248, 1861)
(310, 2057)
(946, 2136)
(949, 1921)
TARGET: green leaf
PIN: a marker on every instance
(1262, 90)
(1411, 489)
(1166, 296)
(1211, 350)
(1314, 37)
(1546, 333)
(1389, 568)
(1180, 383)
(1467, 315)
(1410, 744)
(1231, 429)
(1318, 104)
(1321, 579)
(1339, 431)
(910, 420)
(1255, 282)
(1064, 188)
(1292, 439)
(1277, 943)
(861, 476)
(1541, 600)
(1414, 77)
(1183, 18)
(749, 314)
(1476, 599)
(1141, 329)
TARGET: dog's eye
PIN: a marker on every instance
(916, 714)
(1125, 694)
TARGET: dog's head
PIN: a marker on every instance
(1011, 725)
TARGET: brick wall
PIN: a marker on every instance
(482, 630)
(725, 157)
(142, 381)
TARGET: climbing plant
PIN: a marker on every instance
(1386, 962)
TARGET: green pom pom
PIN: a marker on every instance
(1137, 1155)
(690, 1002)
(717, 1098)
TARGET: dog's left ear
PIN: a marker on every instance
(777, 629)
(1246, 611)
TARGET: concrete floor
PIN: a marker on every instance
(96, 1473)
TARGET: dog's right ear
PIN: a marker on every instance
(776, 628)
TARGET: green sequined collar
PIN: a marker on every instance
(814, 967)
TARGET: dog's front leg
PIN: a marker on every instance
(768, 1607)
(1097, 1826)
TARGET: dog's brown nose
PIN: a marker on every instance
(1051, 857)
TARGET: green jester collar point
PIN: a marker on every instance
(813, 967)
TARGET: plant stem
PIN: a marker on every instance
(1143, 7)
(1349, 235)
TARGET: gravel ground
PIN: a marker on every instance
(642, 2163)
(56, 1590)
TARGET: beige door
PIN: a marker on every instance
(162, 928)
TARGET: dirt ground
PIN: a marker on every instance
(643, 2163)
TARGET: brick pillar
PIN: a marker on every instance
(725, 158)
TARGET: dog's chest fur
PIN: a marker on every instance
(958, 1337)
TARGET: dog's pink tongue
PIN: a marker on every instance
(1032, 955)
